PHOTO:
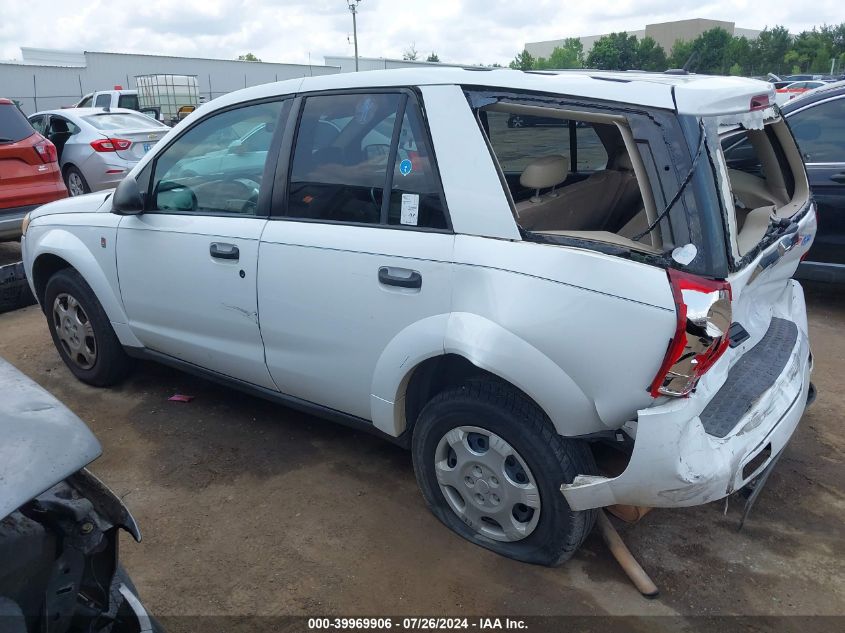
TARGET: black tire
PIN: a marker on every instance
(111, 364)
(14, 289)
(554, 460)
(70, 169)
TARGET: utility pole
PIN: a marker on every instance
(353, 6)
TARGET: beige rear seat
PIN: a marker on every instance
(595, 203)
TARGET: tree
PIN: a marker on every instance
(738, 57)
(433, 57)
(616, 51)
(711, 47)
(650, 55)
(522, 61)
(682, 51)
(410, 53)
(249, 57)
(769, 50)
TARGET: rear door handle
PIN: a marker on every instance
(401, 277)
(840, 177)
(221, 250)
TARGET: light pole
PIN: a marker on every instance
(353, 6)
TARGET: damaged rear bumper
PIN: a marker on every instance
(677, 462)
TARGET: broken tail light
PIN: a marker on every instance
(703, 308)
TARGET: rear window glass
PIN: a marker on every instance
(518, 139)
(122, 121)
(129, 102)
(13, 125)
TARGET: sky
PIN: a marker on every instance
(460, 31)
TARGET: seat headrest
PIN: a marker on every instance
(546, 171)
(623, 162)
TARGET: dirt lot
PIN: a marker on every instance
(249, 508)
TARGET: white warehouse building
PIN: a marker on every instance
(48, 78)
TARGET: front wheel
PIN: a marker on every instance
(490, 466)
(81, 331)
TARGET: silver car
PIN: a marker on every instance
(97, 147)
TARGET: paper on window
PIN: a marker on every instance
(410, 208)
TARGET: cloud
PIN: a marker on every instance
(464, 31)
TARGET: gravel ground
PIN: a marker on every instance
(250, 508)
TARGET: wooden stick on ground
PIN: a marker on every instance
(625, 559)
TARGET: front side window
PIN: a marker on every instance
(216, 166)
(820, 132)
(342, 165)
(86, 102)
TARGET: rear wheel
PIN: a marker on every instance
(490, 466)
(75, 181)
(81, 331)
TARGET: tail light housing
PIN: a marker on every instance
(46, 151)
(703, 308)
(110, 144)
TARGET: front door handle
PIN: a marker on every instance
(840, 177)
(401, 277)
(221, 250)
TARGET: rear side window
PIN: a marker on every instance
(518, 139)
(820, 132)
(13, 124)
(103, 101)
(128, 101)
(350, 149)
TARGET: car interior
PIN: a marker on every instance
(59, 132)
(602, 198)
(760, 174)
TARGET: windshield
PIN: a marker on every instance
(122, 121)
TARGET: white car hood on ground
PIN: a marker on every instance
(88, 203)
(43, 441)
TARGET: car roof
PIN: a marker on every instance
(701, 95)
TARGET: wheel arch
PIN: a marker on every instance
(446, 350)
(60, 249)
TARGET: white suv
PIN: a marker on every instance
(509, 302)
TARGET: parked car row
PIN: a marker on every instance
(373, 249)
(97, 147)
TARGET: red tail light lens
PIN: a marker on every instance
(110, 144)
(703, 308)
(46, 151)
(760, 102)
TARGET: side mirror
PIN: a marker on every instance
(127, 198)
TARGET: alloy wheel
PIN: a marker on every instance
(487, 483)
(75, 185)
(74, 331)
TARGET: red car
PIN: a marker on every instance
(29, 170)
